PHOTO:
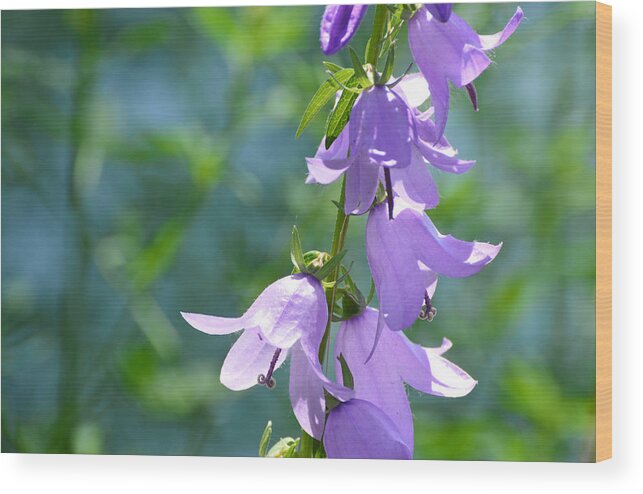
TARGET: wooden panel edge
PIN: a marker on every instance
(603, 232)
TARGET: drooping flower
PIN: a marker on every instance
(339, 24)
(289, 316)
(406, 255)
(381, 382)
(386, 131)
(451, 51)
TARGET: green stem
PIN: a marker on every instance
(339, 236)
(379, 29)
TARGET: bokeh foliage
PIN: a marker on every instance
(149, 166)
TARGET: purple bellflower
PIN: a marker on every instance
(395, 361)
(451, 51)
(406, 255)
(289, 316)
(339, 24)
(387, 132)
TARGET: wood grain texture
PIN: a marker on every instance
(603, 232)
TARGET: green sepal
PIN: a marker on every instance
(296, 254)
(265, 439)
(331, 401)
(325, 92)
(330, 266)
(371, 293)
(388, 66)
(360, 73)
(347, 375)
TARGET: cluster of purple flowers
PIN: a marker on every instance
(382, 153)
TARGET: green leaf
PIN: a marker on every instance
(265, 439)
(362, 78)
(339, 117)
(325, 92)
(388, 66)
(379, 27)
(347, 375)
(296, 254)
(333, 67)
(331, 265)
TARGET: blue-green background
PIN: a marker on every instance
(149, 166)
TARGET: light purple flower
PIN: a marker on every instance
(395, 361)
(339, 24)
(451, 51)
(289, 316)
(386, 130)
(406, 255)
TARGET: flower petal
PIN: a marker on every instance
(325, 171)
(306, 393)
(427, 371)
(491, 41)
(361, 184)
(413, 89)
(250, 356)
(214, 324)
(381, 128)
(415, 184)
(444, 254)
(337, 150)
(378, 380)
(447, 379)
(474, 63)
(358, 429)
(291, 308)
(399, 282)
(441, 11)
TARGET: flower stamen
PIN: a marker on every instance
(428, 311)
(267, 379)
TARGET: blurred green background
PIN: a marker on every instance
(149, 166)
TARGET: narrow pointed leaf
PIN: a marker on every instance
(347, 375)
(362, 78)
(339, 117)
(388, 66)
(325, 92)
(265, 439)
(296, 254)
(333, 67)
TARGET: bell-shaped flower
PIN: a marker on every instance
(381, 383)
(407, 253)
(289, 316)
(387, 132)
(451, 51)
(339, 24)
